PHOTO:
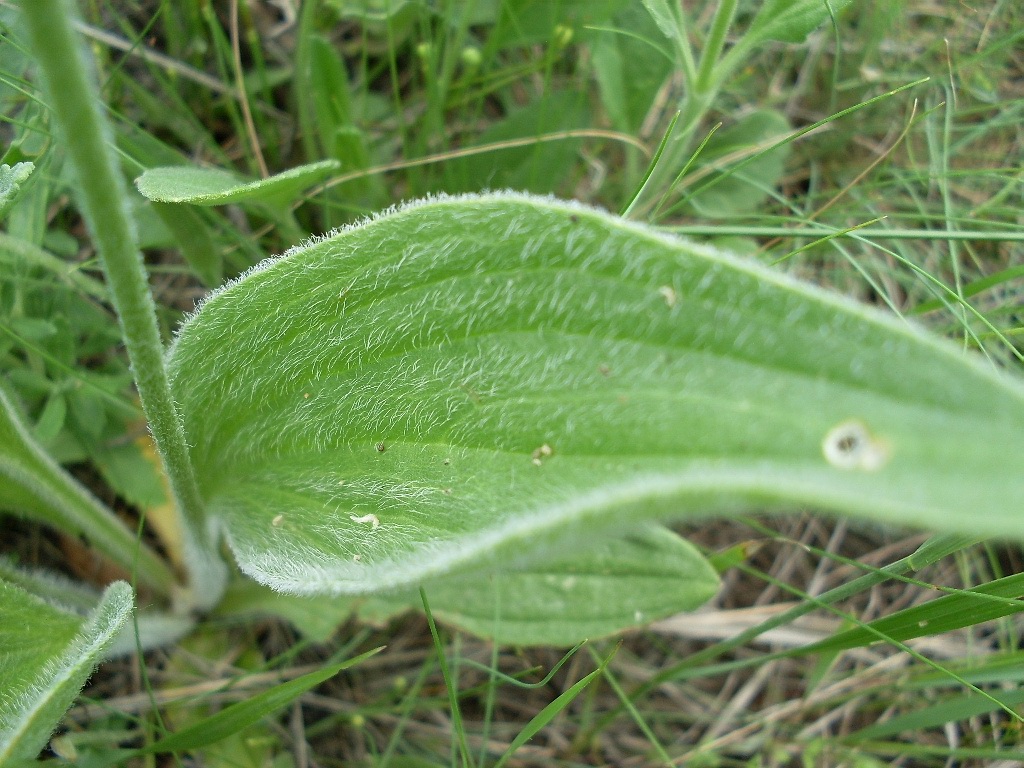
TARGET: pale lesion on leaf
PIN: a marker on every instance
(850, 445)
(539, 454)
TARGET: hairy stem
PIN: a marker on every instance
(66, 72)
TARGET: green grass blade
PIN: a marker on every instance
(549, 712)
(233, 719)
(945, 614)
(959, 707)
(450, 683)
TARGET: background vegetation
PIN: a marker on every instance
(917, 187)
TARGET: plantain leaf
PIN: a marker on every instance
(46, 654)
(786, 21)
(603, 589)
(213, 186)
(469, 380)
(152, 627)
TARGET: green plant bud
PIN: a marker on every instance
(471, 57)
(562, 35)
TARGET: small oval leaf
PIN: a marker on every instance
(213, 186)
(468, 379)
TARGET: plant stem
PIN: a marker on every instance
(702, 85)
(709, 57)
(66, 72)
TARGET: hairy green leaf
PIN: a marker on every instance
(588, 593)
(152, 627)
(468, 379)
(11, 181)
(46, 654)
(213, 186)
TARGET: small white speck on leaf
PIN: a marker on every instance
(278, 519)
(356, 558)
(849, 445)
(371, 518)
(381, 446)
(539, 454)
(668, 293)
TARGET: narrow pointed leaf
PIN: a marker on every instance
(549, 713)
(47, 653)
(944, 614)
(152, 628)
(476, 378)
(33, 485)
(212, 186)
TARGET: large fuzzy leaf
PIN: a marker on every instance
(470, 379)
(46, 654)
